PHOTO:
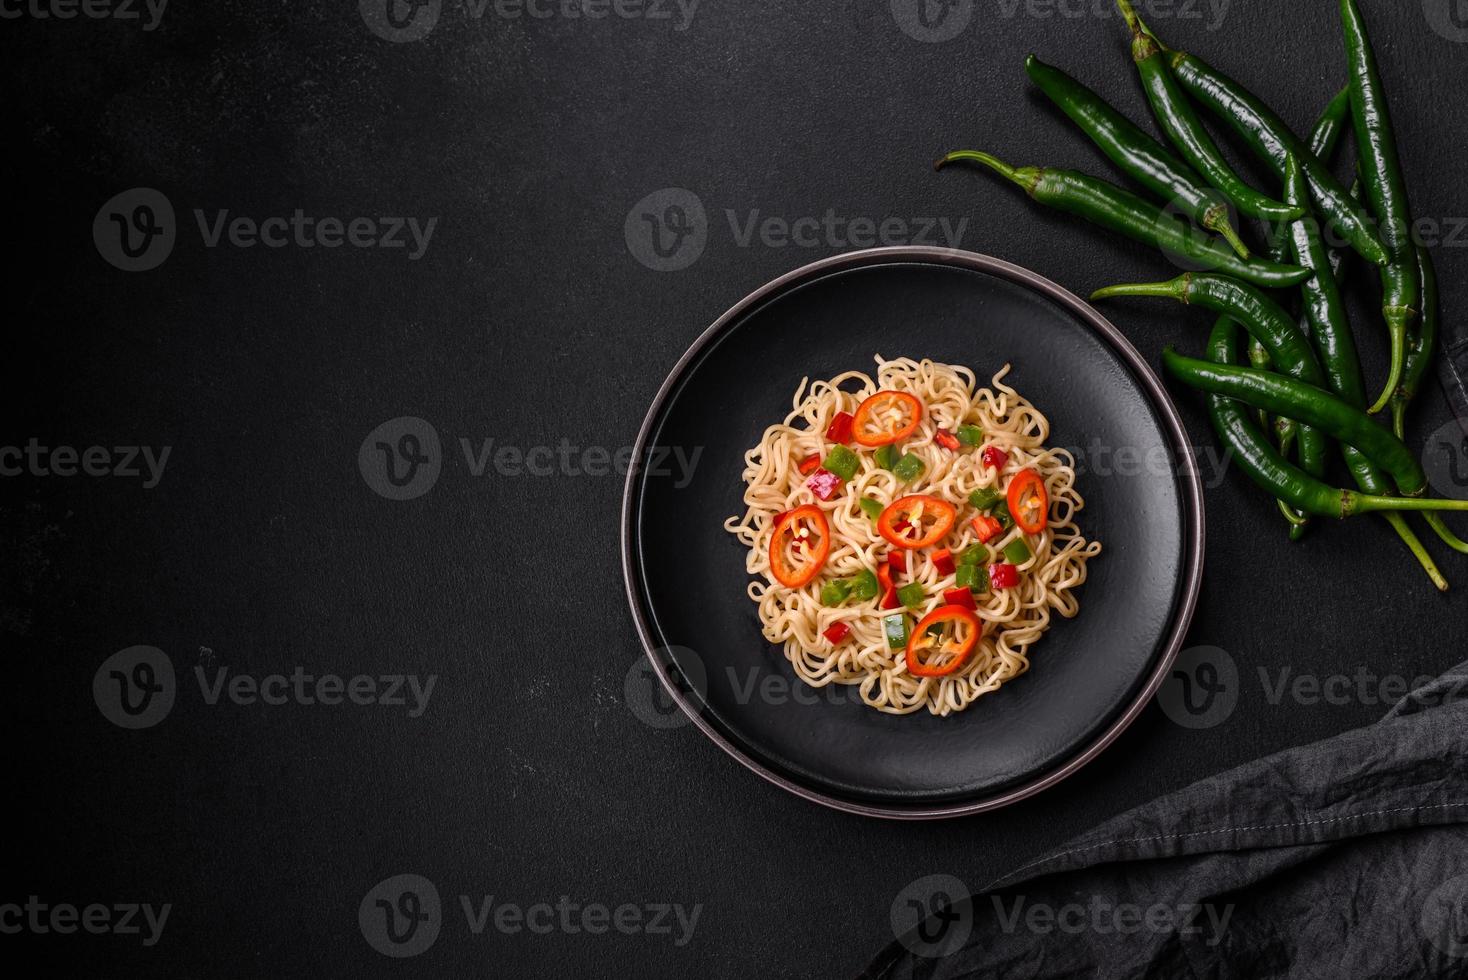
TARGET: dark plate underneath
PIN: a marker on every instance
(1089, 676)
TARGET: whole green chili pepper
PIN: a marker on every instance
(1273, 472)
(1262, 317)
(1422, 346)
(1147, 161)
(1171, 108)
(1386, 189)
(1258, 458)
(1273, 141)
(1311, 405)
(1122, 211)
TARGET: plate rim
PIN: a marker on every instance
(1194, 536)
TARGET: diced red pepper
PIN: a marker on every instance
(889, 590)
(837, 632)
(1003, 575)
(960, 597)
(898, 560)
(824, 484)
(840, 428)
(810, 464)
(947, 440)
(986, 527)
(943, 561)
(994, 457)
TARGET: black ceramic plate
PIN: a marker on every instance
(1089, 676)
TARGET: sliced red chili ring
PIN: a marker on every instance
(886, 417)
(799, 546)
(839, 430)
(1029, 504)
(810, 464)
(928, 519)
(946, 439)
(966, 630)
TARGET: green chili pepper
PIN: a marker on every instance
(909, 468)
(985, 498)
(976, 555)
(1263, 318)
(1272, 140)
(894, 627)
(864, 584)
(1329, 129)
(1171, 108)
(871, 508)
(842, 461)
(1280, 477)
(911, 595)
(1018, 552)
(1386, 189)
(1260, 460)
(1422, 345)
(886, 456)
(836, 592)
(1123, 212)
(1147, 161)
(972, 576)
(970, 435)
(1313, 406)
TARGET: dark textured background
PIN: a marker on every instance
(529, 321)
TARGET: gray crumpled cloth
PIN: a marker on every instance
(1345, 858)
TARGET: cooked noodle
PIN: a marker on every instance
(1015, 617)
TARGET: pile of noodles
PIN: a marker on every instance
(1014, 618)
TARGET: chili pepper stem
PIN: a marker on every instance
(1172, 289)
(1353, 503)
(1026, 177)
(1414, 545)
(1217, 222)
(1399, 414)
(1298, 520)
(1396, 325)
(1445, 533)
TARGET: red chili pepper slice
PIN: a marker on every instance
(1029, 504)
(898, 560)
(1003, 575)
(994, 457)
(960, 597)
(810, 464)
(824, 484)
(946, 439)
(943, 561)
(840, 428)
(889, 588)
(928, 520)
(886, 417)
(986, 527)
(955, 650)
(799, 546)
(836, 632)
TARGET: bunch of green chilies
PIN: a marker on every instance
(1302, 379)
